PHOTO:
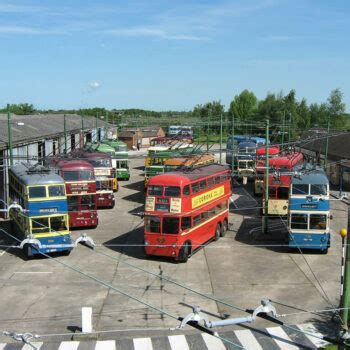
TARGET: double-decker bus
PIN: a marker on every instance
(120, 159)
(309, 210)
(109, 150)
(184, 210)
(154, 163)
(260, 162)
(80, 182)
(104, 174)
(246, 159)
(231, 148)
(189, 162)
(41, 192)
(279, 179)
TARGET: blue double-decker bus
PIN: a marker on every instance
(246, 158)
(44, 226)
(231, 148)
(309, 210)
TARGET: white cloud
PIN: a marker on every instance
(150, 32)
(15, 29)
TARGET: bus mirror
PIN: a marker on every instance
(330, 217)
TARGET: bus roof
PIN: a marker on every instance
(190, 160)
(74, 165)
(273, 150)
(310, 175)
(185, 177)
(36, 175)
(289, 160)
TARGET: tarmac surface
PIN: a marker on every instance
(44, 297)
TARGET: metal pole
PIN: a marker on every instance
(284, 118)
(265, 219)
(65, 133)
(221, 138)
(289, 128)
(9, 131)
(327, 141)
(96, 132)
(233, 144)
(346, 288)
(208, 129)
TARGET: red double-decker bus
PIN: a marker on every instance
(279, 183)
(80, 186)
(104, 174)
(184, 210)
(260, 163)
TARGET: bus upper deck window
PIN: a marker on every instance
(203, 185)
(318, 190)
(153, 224)
(302, 189)
(37, 192)
(195, 187)
(186, 190)
(170, 225)
(172, 191)
(318, 221)
(71, 175)
(56, 191)
(86, 175)
(155, 190)
(217, 179)
(210, 182)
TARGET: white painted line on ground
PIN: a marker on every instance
(38, 345)
(4, 251)
(279, 333)
(69, 345)
(2, 346)
(143, 344)
(105, 345)
(33, 272)
(308, 327)
(213, 343)
(248, 340)
(178, 342)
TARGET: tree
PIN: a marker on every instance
(209, 114)
(243, 106)
(20, 109)
(336, 108)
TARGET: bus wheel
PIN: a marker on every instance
(27, 250)
(224, 228)
(184, 253)
(324, 251)
(66, 252)
(217, 232)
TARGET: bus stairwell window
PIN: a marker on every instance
(153, 224)
(37, 192)
(186, 190)
(318, 221)
(318, 190)
(186, 223)
(299, 221)
(170, 225)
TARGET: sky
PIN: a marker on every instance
(170, 55)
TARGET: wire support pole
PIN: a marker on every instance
(221, 138)
(65, 134)
(9, 133)
(266, 204)
(327, 141)
(233, 144)
(346, 295)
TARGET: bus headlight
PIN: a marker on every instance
(174, 245)
(146, 243)
(92, 216)
(109, 197)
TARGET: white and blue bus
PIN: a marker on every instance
(309, 210)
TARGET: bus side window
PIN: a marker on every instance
(186, 190)
(224, 205)
(211, 212)
(210, 182)
(196, 220)
(205, 215)
(195, 187)
(218, 208)
(203, 185)
(186, 223)
(217, 179)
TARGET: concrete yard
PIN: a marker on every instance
(42, 296)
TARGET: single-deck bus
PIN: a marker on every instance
(184, 210)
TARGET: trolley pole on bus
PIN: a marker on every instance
(65, 134)
(221, 138)
(266, 204)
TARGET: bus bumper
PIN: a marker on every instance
(319, 241)
(167, 249)
(60, 243)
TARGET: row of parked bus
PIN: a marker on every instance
(65, 193)
(187, 205)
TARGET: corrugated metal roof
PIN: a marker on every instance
(41, 126)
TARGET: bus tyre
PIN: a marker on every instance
(217, 232)
(324, 251)
(184, 253)
(224, 228)
(27, 250)
(66, 252)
